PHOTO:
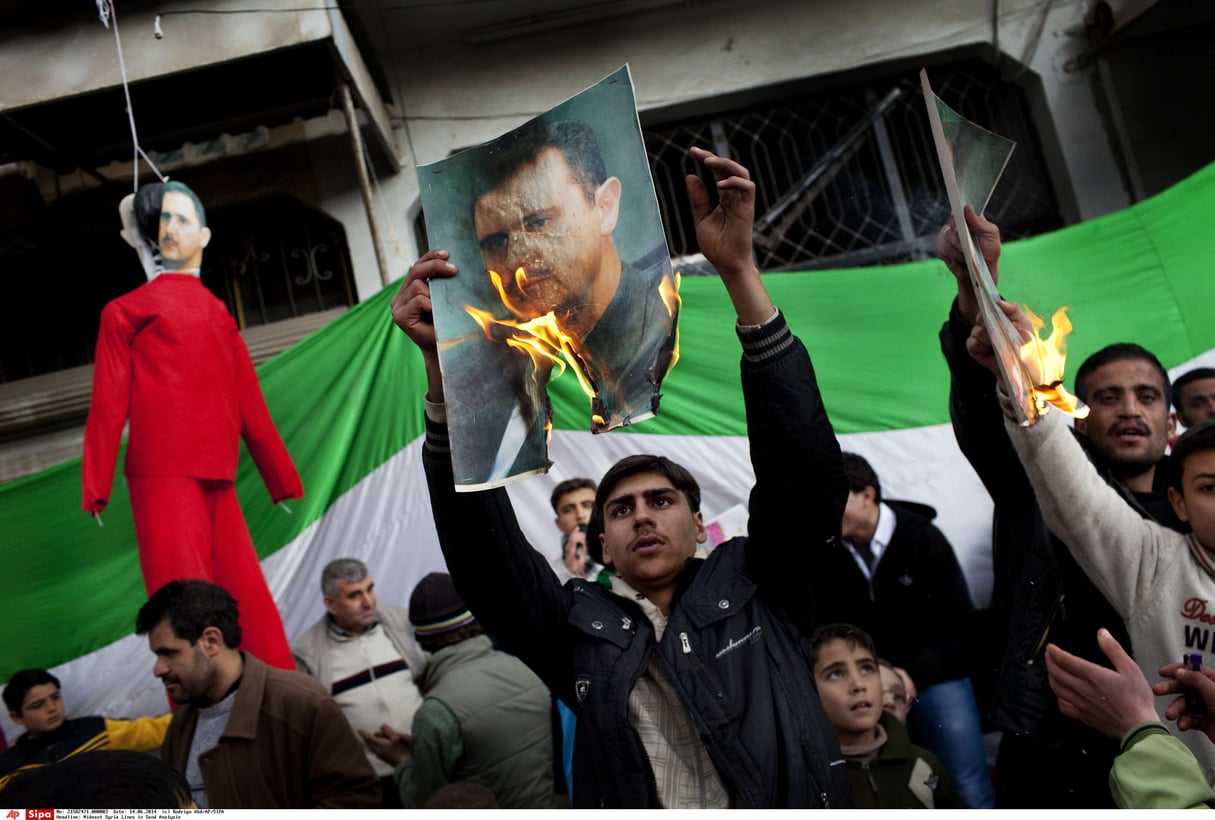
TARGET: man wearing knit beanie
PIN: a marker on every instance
(484, 716)
(435, 609)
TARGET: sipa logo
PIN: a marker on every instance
(39, 814)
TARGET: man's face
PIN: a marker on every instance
(541, 220)
(860, 515)
(353, 606)
(649, 531)
(850, 688)
(1196, 503)
(1128, 423)
(186, 671)
(181, 237)
(42, 711)
(575, 508)
(1196, 402)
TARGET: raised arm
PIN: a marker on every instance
(724, 234)
(799, 495)
(412, 312)
(949, 248)
(798, 499)
(506, 583)
(973, 406)
(1119, 551)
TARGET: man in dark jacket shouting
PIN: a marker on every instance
(689, 676)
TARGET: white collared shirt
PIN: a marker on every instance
(881, 539)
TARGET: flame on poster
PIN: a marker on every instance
(550, 345)
(1044, 361)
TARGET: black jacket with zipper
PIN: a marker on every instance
(731, 648)
(901, 776)
(917, 604)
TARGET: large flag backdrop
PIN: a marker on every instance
(348, 403)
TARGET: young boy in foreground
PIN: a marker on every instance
(885, 770)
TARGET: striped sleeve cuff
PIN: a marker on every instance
(764, 342)
(1137, 733)
(437, 441)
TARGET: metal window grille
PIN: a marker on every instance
(848, 176)
(277, 259)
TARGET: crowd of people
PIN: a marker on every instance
(830, 658)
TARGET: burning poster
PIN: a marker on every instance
(564, 265)
(972, 159)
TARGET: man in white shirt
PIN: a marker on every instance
(365, 655)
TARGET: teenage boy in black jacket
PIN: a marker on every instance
(691, 677)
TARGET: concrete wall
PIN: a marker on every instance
(452, 95)
(1078, 144)
(77, 54)
(396, 203)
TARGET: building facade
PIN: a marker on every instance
(252, 106)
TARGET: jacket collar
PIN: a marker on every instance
(892, 743)
(248, 705)
(622, 589)
(1204, 558)
(340, 634)
(47, 738)
(864, 752)
(452, 656)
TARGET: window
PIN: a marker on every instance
(848, 176)
(275, 258)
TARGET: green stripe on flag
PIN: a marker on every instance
(1142, 274)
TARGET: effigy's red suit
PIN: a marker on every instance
(170, 358)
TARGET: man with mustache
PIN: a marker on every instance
(1040, 595)
(365, 655)
(246, 735)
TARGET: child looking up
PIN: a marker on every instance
(885, 771)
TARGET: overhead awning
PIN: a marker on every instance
(226, 71)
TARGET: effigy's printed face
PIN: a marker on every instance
(181, 236)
